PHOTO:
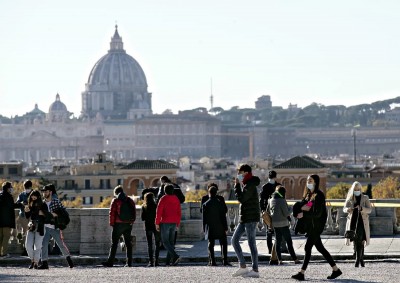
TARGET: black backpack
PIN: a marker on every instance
(127, 210)
(63, 219)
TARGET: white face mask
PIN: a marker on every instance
(28, 191)
(357, 193)
(240, 177)
(310, 187)
(271, 181)
(11, 190)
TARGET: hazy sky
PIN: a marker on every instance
(296, 51)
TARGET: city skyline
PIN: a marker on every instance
(297, 52)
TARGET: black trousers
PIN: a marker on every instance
(315, 240)
(224, 247)
(157, 240)
(121, 229)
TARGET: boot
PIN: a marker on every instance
(32, 265)
(44, 265)
(358, 254)
(362, 257)
(70, 263)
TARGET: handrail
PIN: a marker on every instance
(391, 203)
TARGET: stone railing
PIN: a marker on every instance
(90, 233)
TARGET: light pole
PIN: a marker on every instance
(354, 134)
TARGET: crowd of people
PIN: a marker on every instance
(161, 214)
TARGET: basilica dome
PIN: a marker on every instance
(117, 86)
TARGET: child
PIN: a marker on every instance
(149, 208)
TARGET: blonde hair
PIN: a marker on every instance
(350, 193)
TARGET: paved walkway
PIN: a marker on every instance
(381, 248)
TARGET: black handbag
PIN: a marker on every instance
(351, 234)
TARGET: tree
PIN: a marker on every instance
(387, 188)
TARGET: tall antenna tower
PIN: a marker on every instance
(212, 97)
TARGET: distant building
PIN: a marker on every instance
(264, 102)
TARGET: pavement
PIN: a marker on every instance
(380, 248)
(382, 265)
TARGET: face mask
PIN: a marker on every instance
(357, 193)
(28, 191)
(310, 187)
(240, 177)
(11, 190)
(271, 181)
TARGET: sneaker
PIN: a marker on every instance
(252, 273)
(240, 272)
(299, 276)
(335, 274)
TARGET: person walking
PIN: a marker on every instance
(215, 225)
(51, 231)
(249, 212)
(122, 216)
(35, 211)
(315, 215)
(22, 221)
(358, 207)
(149, 209)
(168, 218)
(7, 217)
(280, 215)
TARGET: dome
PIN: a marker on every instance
(58, 111)
(117, 86)
(58, 105)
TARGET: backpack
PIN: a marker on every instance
(127, 210)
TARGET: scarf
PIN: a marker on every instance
(247, 177)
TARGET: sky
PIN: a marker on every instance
(299, 52)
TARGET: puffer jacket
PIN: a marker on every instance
(249, 208)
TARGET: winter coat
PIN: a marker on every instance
(149, 216)
(169, 210)
(279, 211)
(249, 208)
(267, 190)
(365, 211)
(315, 219)
(7, 213)
(33, 213)
(115, 209)
(159, 192)
(22, 199)
(214, 218)
(205, 198)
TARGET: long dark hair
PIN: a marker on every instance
(38, 202)
(148, 200)
(307, 194)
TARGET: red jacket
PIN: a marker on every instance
(169, 210)
(115, 208)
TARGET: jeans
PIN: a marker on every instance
(167, 237)
(33, 245)
(284, 232)
(56, 234)
(250, 229)
(121, 229)
(149, 238)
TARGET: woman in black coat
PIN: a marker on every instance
(215, 224)
(314, 213)
(7, 217)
